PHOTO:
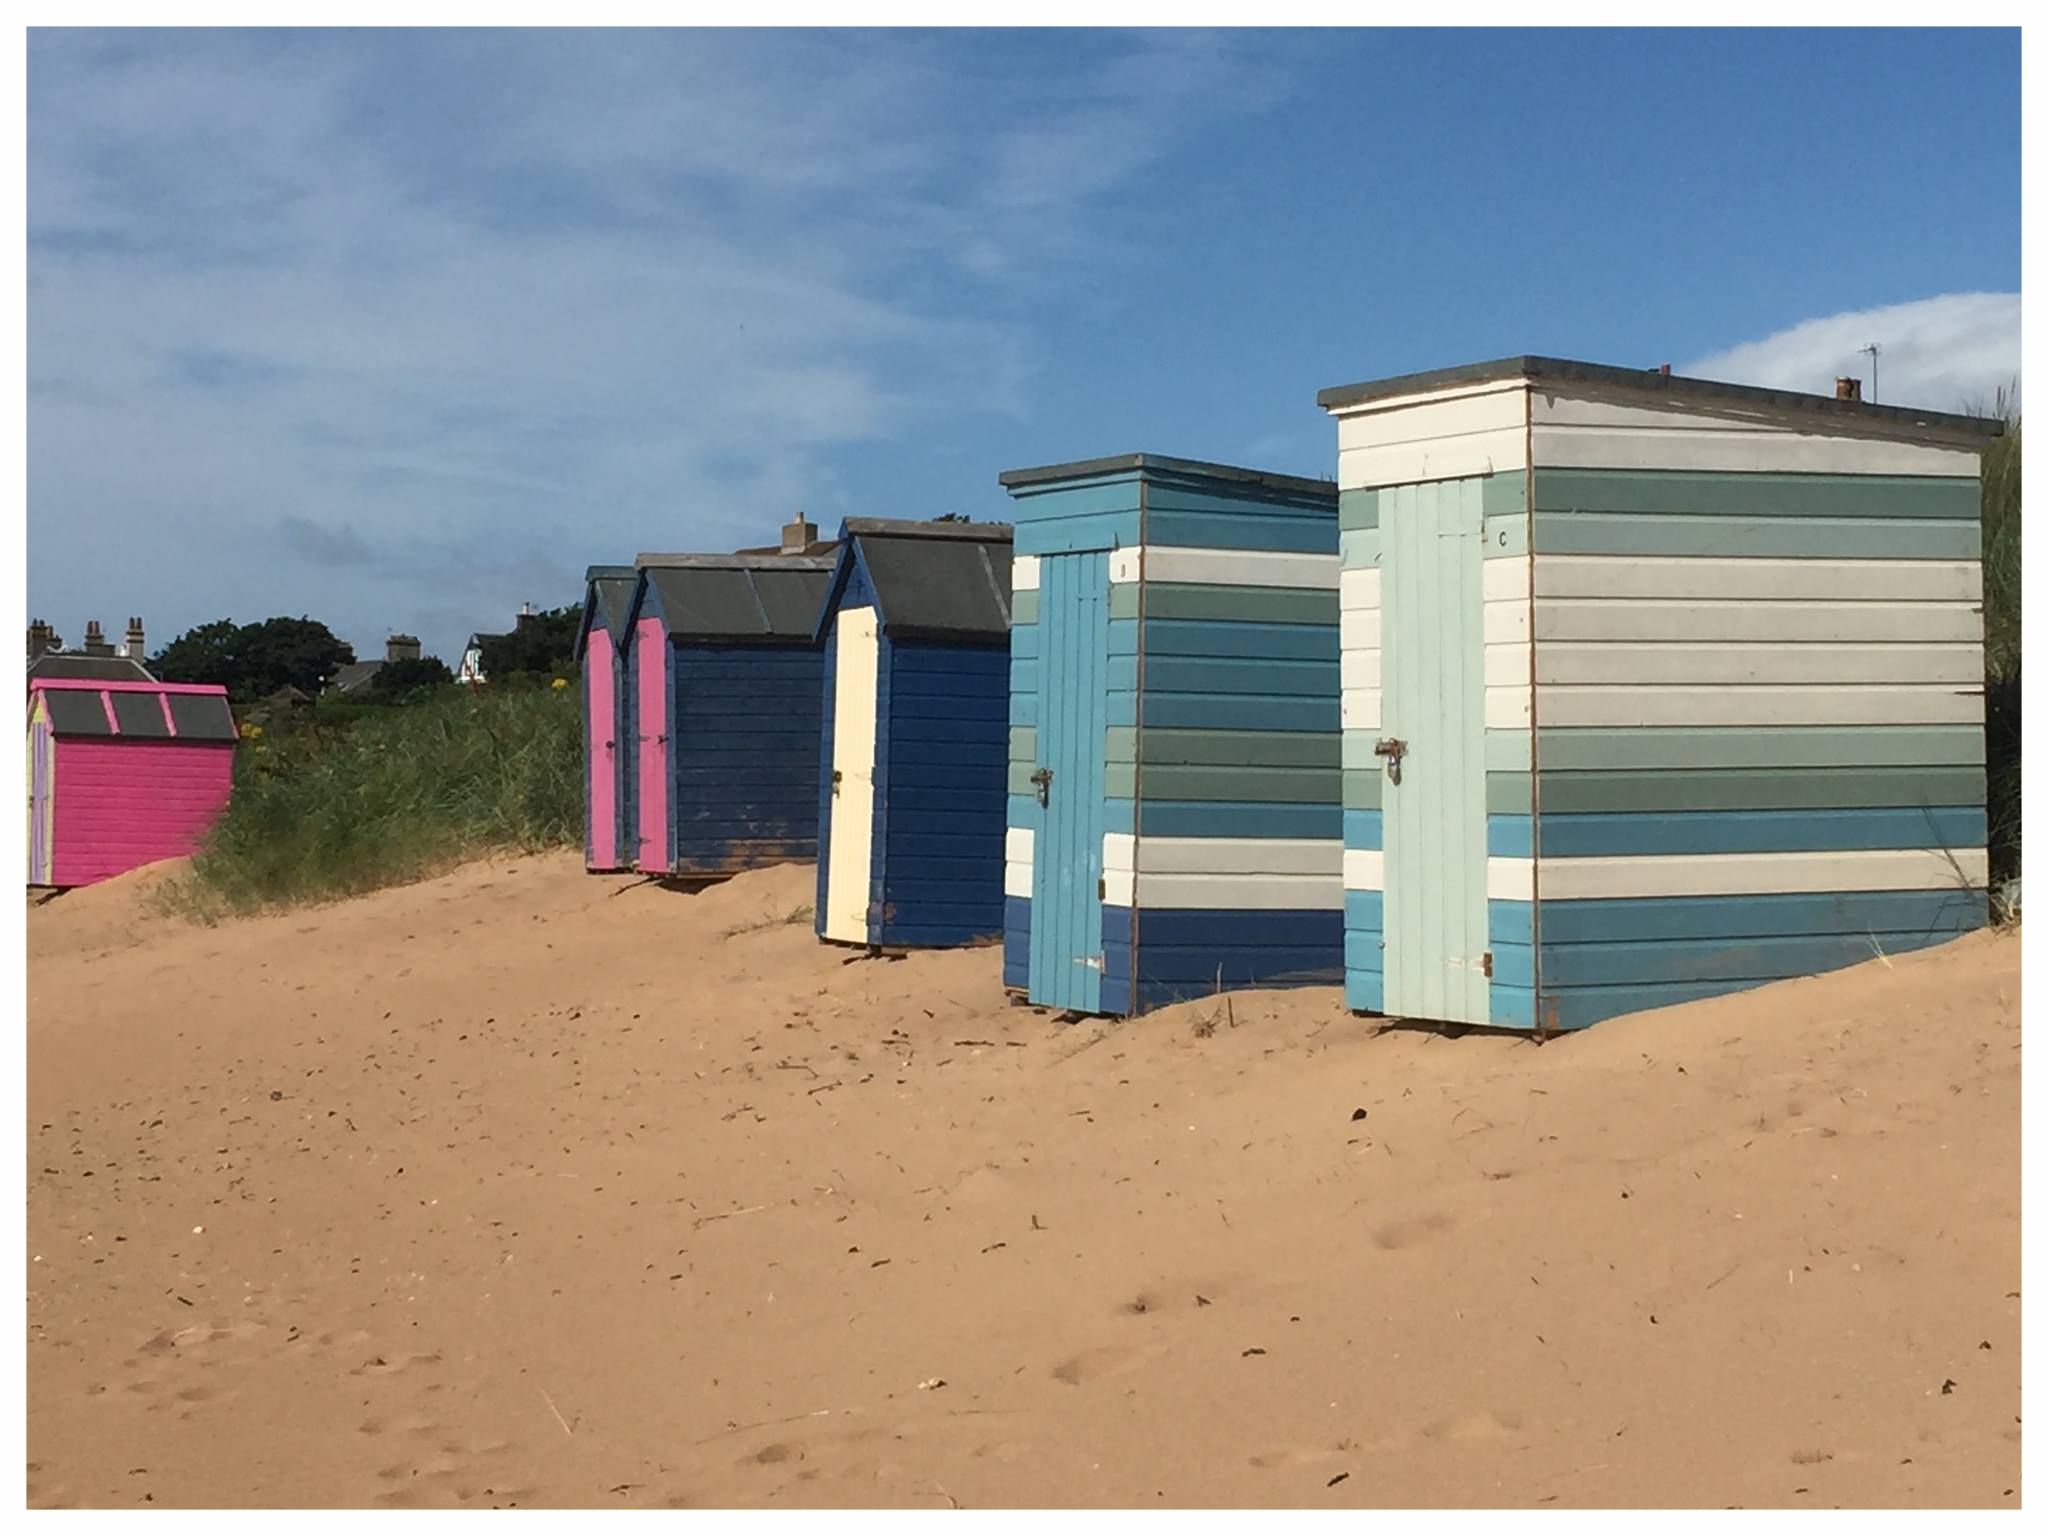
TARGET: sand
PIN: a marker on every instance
(523, 1187)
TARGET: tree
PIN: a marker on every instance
(254, 660)
(541, 643)
(202, 655)
(401, 680)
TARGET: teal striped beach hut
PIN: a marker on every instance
(1654, 687)
(1175, 822)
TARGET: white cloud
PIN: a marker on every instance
(1941, 354)
(393, 327)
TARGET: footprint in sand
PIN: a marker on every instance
(1096, 1364)
(1410, 1230)
(1474, 1426)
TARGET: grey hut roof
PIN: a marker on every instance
(608, 600)
(139, 716)
(737, 597)
(1860, 415)
(1158, 463)
(99, 669)
(934, 579)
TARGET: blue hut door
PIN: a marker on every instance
(1432, 751)
(850, 848)
(1073, 709)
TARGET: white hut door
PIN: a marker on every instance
(850, 851)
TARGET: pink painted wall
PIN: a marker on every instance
(650, 667)
(123, 803)
(600, 705)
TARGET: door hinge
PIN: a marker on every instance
(1486, 965)
(1102, 887)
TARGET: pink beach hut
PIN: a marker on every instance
(122, 773)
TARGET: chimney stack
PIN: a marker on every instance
(41, 639)
(1848, 389)
(798, 534)
(132, 646)
(401, 647)
(95, 641)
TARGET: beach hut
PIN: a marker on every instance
(122, 772)
(1654, 687)
(911, 802)
(1175, 789)
(600, 644)
(723, 685)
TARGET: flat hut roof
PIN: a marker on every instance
(1858, 417)
(768, 598)
(930, 579)
(1157, 463)
(141, 711)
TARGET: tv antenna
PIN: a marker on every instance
(1873, 349)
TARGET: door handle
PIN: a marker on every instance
(1043, 780)
(1393, 749)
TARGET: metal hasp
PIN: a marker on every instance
(1393, 749)
(838, 776)
(1042, 780)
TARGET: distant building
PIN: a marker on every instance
(471, 669)
(97, 659)
(356, 676)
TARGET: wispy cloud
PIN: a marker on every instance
(379, 325)
(1945, 353)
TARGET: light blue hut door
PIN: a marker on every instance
(1073, 707)
(1431, 748)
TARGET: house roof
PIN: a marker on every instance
(353, 676)
(1157, 463)
(113, 669)
(1863, 415)
(737, 597)
(88, 707)
(929, 578)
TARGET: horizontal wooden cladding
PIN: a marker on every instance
(1232, 785)
(1779, 746)
(1574, 431)
(1509, 619)
(1223, 892)
(1691, 874)
(1365, 869)
(1023, 574)
(1637, 919)
(1222, 641)
(1180, 600)
(1231, 675)
(1687, 577)
(1698, 663)
(1160, 817)
(1023, 609)
(1629, 533)
(1359, 588)
(1730, 789)
(1690, 962)
(1864, 497)
(1811, 704)
(1224, 749)
(1454, 435)
(1295, 569)
(1613, 833)
(1500, 495)
(1359, 631)
(1321, 857)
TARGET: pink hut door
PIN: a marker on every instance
(650, 669)
(600, 705)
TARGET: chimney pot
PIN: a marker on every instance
(401, 648)
(132, 647)
(1664, 369)
(1848, 389)
(798, 534)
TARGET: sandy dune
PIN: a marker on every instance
(523, 1187)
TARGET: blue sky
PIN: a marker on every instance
(401, 329)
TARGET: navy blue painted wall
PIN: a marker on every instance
(743, 738)
(940, 790)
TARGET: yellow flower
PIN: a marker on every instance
(560, 682)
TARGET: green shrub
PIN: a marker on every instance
(350, 801)
(2002, 644)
